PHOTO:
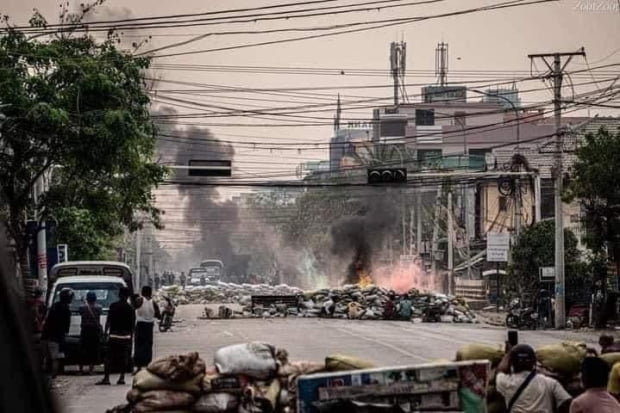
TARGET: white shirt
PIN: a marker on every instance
(540, 395)
(146, 312)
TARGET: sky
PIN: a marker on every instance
(490, 45)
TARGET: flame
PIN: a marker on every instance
(364, 279)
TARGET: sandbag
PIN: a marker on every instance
(564, 358)
(215, 383)
(164, 400)
(299, 368)
(339, 362)
(146, 381)
(216, 402)
(475, 351)
(178, 368)
(251, 359)
(611, 358)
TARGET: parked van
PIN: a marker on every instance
(103, 278)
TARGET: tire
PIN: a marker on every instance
(165, 323)
(510, 321)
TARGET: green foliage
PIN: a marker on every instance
(595, 184)
(535, 248)
(77, 107)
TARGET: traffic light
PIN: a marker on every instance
(387, 175)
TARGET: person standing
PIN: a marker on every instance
(157, 281)
(182, 279)
(389, 308)
(119, 328)
(56, 328)
(596, 398)
(90, 332)
(405, 308)
(146, 313)
(524, 390)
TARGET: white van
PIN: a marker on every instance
(106, 287)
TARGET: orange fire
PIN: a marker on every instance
(364, 278)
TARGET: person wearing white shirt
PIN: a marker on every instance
(526, 391)
(147, 311)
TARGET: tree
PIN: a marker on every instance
(594, 182)
(77, 109)
(534, 249)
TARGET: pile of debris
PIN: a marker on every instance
(224, 293)
(368, 303)
(249, 377)
(350, 301)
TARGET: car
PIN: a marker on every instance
(198, 276)
(106, 287)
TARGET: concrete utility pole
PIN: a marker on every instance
(39, 189)
(450, 234)
(137, 285)
(556, 74)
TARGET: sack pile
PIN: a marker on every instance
(246, 378)
(353, 301)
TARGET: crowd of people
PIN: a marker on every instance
(129, 324)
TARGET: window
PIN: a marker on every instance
(424, 117)
(547, 201)
(503, 204)
(460, 119)
(393, 128)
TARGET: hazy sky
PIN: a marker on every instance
(484, 41)
(495, 40)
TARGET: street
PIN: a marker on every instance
(384, 342)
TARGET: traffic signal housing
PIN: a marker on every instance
(387, 175)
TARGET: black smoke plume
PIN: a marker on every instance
(361, 237)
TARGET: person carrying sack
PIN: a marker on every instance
(526, 391)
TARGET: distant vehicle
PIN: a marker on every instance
(198, 276)
(215, 268)
(106, 287)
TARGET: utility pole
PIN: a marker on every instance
(556, 70)
(137, 285)
(41, 264)
(418, 217)
(450, 234)
(410, 231)
(435, 238)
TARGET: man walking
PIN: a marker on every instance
(146, 313)
(56, 328)
(119, 327)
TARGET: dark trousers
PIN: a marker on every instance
(143, 349)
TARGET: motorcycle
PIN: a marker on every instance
(167, 315)
(521, 317)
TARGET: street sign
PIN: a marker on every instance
(547, 274)
(498, 244)
(63, 252)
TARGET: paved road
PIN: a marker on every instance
(386, 343)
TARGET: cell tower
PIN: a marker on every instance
(441, 63)
(398, 58)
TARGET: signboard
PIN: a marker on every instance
(63, 252)
(547, 274)
(498, 245)
(452, 386)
